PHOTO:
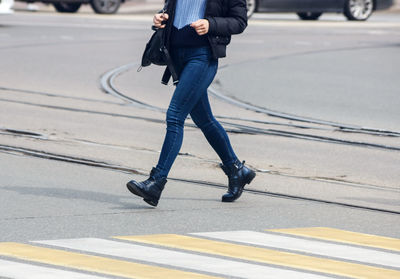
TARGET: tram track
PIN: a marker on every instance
(41, 137)
(230, 127)
(107, 83)
(235, 128)
(8, 149)
(124, 102)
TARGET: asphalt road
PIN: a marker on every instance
(311, 106)
(340, 74)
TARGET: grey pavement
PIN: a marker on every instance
(90, 143)
(359, 87)
(52, 200)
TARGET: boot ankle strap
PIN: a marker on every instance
(228, 170)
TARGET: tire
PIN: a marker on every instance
(309, 15)
(62, 7)
(252, 6)
(358, 9)
(105, 6)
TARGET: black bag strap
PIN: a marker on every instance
(170, 65)
(170, 69)
(166, 76)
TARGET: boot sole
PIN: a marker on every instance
(248, 181)
(136, 191)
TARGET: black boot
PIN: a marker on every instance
(150, 189)
(239, 175)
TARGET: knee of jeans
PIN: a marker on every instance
(174, 119)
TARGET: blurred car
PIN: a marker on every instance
(6, 6)
(72, 6)
(313, 9)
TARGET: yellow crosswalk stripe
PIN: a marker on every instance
(345, 237)
(266, 256)
(93, 263)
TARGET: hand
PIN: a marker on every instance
(201, 26)
(158, 20)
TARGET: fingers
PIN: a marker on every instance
(158, 20)
(196, 24)
(164, 17)
(201, 26)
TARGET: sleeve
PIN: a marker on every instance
(233, 23)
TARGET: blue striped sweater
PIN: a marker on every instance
(186, 12)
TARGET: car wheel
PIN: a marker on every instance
(105, 6)
(62, 7)
(358, 9)
(251, 7)
(309, 15)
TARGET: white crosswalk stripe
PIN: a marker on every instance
(18, 270)
(316, 247)
(207, 255)
(178, 259)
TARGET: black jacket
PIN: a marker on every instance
(226, 18)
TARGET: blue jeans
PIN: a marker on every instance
(196, 70)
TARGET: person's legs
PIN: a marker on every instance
(197, 74)
(190, 96)
(213, 131)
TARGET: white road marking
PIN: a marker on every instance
(18, 270)
(78, 25)
(178, 259)
(315, 247)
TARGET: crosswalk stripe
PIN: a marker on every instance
(309, 246)
(268, 256)
(345, 237)
(17, 270)
(179, 259)
(92, 263)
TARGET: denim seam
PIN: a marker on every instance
(231, 154)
